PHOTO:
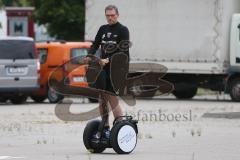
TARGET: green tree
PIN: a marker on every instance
(16, 3)
(64, 19)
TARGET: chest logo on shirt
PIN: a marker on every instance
(109, 34)
(103, 36)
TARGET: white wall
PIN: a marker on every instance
(41, 33)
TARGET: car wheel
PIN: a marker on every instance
(38, 99)
(53, 96)
(18, 99)
(3, 99)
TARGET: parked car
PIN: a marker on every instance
(19, 69)
(59, 57)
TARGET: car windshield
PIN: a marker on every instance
(17, 49)
(77, 55)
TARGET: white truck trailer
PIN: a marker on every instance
(197, 40)
(3, 23)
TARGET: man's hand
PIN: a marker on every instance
(103, 62)
(86, 60)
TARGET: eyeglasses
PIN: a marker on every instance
(110, 15)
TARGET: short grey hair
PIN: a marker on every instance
(112, 7)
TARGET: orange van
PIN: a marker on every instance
(52, 56)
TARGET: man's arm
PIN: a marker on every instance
(96, 42)
(124, 41)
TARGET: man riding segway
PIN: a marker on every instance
(114, 41)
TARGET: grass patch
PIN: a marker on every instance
(202, 92)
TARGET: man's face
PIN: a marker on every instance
(111, 16)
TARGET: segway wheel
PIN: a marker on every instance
(89, 131)
(123, 137)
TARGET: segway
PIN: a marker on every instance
(123, 136)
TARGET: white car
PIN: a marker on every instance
(19, 69)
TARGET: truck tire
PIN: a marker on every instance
(235, 89)
(38, 99)
(93, 100)
(18, 99)
(53, 96)
(187, 93)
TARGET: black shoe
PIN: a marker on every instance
(106, 132)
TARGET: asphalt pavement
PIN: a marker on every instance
(205, 128)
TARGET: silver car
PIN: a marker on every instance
(19, 69)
